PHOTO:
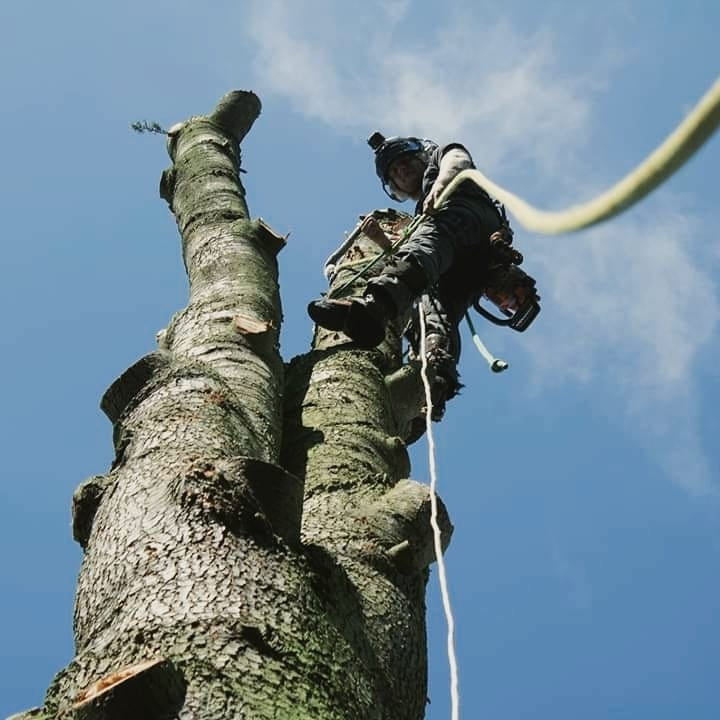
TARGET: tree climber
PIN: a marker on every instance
(448, 261)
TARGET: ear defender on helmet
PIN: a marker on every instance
(388, 150)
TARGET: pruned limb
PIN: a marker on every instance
(407, 396)
(234, 114)
(35, 713)
(119, 395)
(152, 690)
(400, 520)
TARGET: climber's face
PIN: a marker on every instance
(406, 173)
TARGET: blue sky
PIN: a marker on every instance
(583, 483)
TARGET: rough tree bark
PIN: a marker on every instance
(255, 550)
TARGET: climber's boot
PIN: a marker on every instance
(367, 319)
(329, 314)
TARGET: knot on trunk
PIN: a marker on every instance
(245, 495)
(85, 502)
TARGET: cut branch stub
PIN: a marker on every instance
(234, 114)
(268, 237)
(236, 111)
(35, 713)
(152, 690)
(407, 398)
(119, 395)
(400, 520)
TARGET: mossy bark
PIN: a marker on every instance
(255, 550)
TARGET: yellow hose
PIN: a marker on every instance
(677, 148)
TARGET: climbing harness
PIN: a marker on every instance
(437, 533)
(504, 281)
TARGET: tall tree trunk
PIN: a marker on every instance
(238, 565)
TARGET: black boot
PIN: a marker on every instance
(386, 296)
(366, 320)
(361, 319)
(329, 314)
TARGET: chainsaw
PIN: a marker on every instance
(508, 287)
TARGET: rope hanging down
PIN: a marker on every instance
(437, 535)
(658, 166)
(677, 148)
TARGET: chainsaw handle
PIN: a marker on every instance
(520, 320)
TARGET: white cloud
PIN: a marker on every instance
(628, 305)
(632, 285)
(498, 90)
(631, 310)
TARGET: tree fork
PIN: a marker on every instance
(231, 572)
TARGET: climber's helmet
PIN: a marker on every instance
(390, 149)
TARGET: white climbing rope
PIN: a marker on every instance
(437, 534)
